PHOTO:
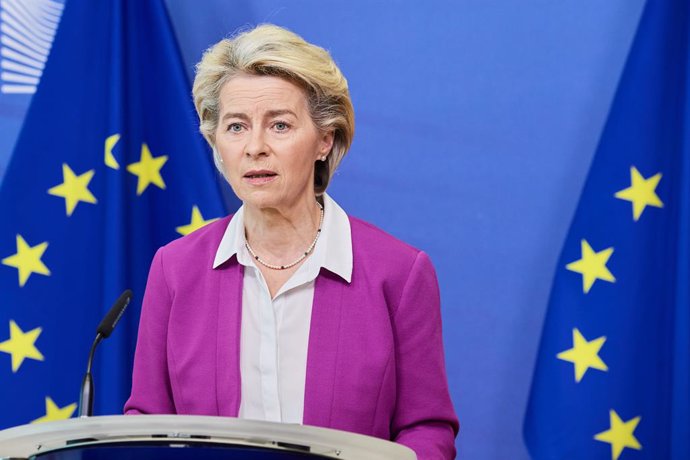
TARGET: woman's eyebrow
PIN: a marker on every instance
(278, 112)
(240, 115)
(268, 114)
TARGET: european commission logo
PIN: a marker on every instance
(27, 30)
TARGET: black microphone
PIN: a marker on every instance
(103, 332)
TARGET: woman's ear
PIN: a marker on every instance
(326, 145)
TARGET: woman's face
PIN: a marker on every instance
(268, 141)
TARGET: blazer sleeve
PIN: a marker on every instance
(151, 386)
(424, 418)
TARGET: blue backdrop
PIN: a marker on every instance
(476, 123)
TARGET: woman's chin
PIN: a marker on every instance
(273, 196)
(262, 199)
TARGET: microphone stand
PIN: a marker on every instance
(86, 396)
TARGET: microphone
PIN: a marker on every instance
(103, 332)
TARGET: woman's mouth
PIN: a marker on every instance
(260, 177)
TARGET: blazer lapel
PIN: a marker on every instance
(322, 355)
(228, 379)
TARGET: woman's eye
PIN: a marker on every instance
(280, 126)
(235, 127)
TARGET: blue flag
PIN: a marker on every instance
(108, 167)
(612, 377)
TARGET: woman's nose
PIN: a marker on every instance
(256, 144)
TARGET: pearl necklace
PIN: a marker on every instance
(292, 264)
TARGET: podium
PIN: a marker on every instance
(138, 437)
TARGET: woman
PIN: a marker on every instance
(289, 310)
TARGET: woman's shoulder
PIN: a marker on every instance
(369, 234)
(380, 259)
(198, 246)
(371, 243)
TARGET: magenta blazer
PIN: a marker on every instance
(375, 361)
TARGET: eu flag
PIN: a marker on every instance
(108, 167)
(612, 375)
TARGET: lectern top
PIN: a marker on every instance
(27, 440)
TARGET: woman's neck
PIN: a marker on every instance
(281, 234)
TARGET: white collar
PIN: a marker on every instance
(333, 250)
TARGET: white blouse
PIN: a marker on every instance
(275, 332)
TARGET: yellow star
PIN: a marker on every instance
(641, 193)
(53, 412)
(27, 260)
(620, 435)
(584, 354)
(196, 223)
(74, 188)
(592, 266)
(109, 158)
(21, 345)
(148, 169)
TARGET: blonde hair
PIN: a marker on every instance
(271, 50)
